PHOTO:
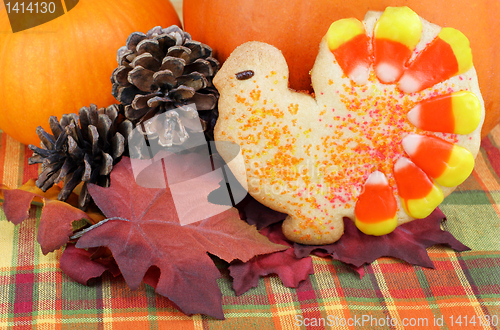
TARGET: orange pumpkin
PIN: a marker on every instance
(66, 63)
(296, 27)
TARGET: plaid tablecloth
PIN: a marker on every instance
(462, 292)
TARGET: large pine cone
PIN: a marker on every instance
(81, 147)
(166, 70)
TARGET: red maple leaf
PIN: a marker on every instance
(407, 242)
(291, 269)
(143, 230)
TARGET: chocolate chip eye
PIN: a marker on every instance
(244, 75)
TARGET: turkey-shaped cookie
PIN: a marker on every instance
(393, 126)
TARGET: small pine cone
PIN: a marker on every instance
(81, 148)
(166, 70)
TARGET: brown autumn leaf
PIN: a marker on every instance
(80, 265)
(143, 231)
(291, 269)
(407, 242)
(56, 219)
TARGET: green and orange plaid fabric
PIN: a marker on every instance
(462, 292)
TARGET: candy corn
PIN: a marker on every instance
(397, 32)
(448, 164)
(348, 42)
(458, 112)
(418, 193)
(448, 55)
(375, 210)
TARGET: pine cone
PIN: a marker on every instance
(165, 70)
(81, 147)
